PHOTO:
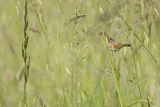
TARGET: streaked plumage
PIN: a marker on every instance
(112, 44)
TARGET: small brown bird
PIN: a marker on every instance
(112, 44)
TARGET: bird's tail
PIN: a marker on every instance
(126, 45)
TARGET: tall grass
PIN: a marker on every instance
(71, 65)
(26, 57)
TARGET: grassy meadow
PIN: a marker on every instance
(70, 64)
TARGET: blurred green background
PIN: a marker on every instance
(70, 64)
